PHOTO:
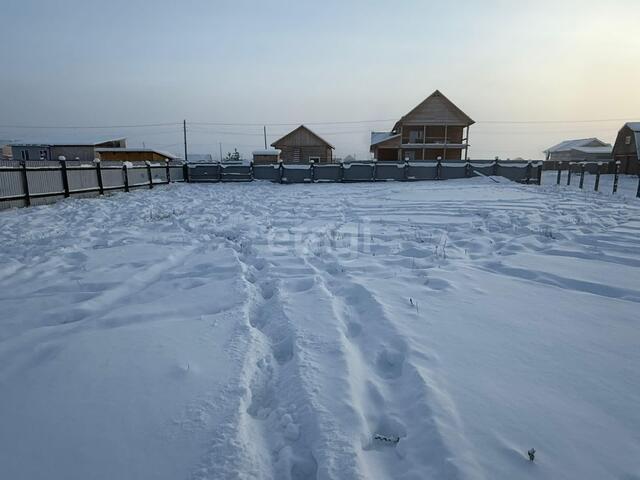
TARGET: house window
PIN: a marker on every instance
(24, 154)
(314, 159)
(415, 136)
(44, 155)
(627, 140)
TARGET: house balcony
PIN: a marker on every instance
(434, 143)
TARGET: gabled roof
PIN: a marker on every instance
(437, 109)
(302, 127)
(634, 126)
(605, 150)
(578, 143)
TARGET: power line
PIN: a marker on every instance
(94, 127)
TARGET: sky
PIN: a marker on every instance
(564, 68)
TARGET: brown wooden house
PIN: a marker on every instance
(627, 148)
(435, 129)
(303, 146)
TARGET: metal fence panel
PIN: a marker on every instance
(176, 172)
(453, 170)
(204, 173)
(358, 172)
(236, 173)
(390, 171)
(423, 171)
(296, 174)
(266, 172)
(327, 173)
(482, 168)
(112, 178)
(138, 176)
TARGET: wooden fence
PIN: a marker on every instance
(579, 169)
(39, 182)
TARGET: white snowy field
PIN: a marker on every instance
(267, 331)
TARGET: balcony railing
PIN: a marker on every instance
(429, 140)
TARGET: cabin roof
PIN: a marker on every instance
(302, 127)
(575, 144)
(436, 109)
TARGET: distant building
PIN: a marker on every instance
(134, 155)
(627, 148)
(435, 128)
(70, 151)
(266, 157)
(304, 146)
(582, 149)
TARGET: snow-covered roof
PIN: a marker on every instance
(379, 137)
(133, 149)
(271, 151)
(573, 144)
(604, 150)
(70, 141)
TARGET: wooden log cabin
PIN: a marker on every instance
(304, 146)
(435, 129)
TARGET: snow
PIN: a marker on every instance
(267, 152)
(268, 331)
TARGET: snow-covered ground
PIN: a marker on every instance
(268, 331)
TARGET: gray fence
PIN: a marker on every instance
(528, 172)
(40, 182)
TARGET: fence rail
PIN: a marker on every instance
(594, 168)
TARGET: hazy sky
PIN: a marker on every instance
(82, 62)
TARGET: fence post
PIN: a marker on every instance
(467, 169)
(559, 173)
(251, 177)
(638, 192)
(596, 185)
(149, 176)
(25, 183)
(125, 176)
(99, 176)
(281, 171)
(341, 172)
(569, 174)
(312, 172)
(438, 169)
(615, 177)
(539, 175)
(168, 171)
(405, 171)
(494, 172)
(528, 174)
(581, 175)
(65, 178)
(374, 171)
(185, 172)
(220, 172)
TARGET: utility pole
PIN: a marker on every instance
(265, 136)
(184, 131)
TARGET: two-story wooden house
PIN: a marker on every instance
(435, 129)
